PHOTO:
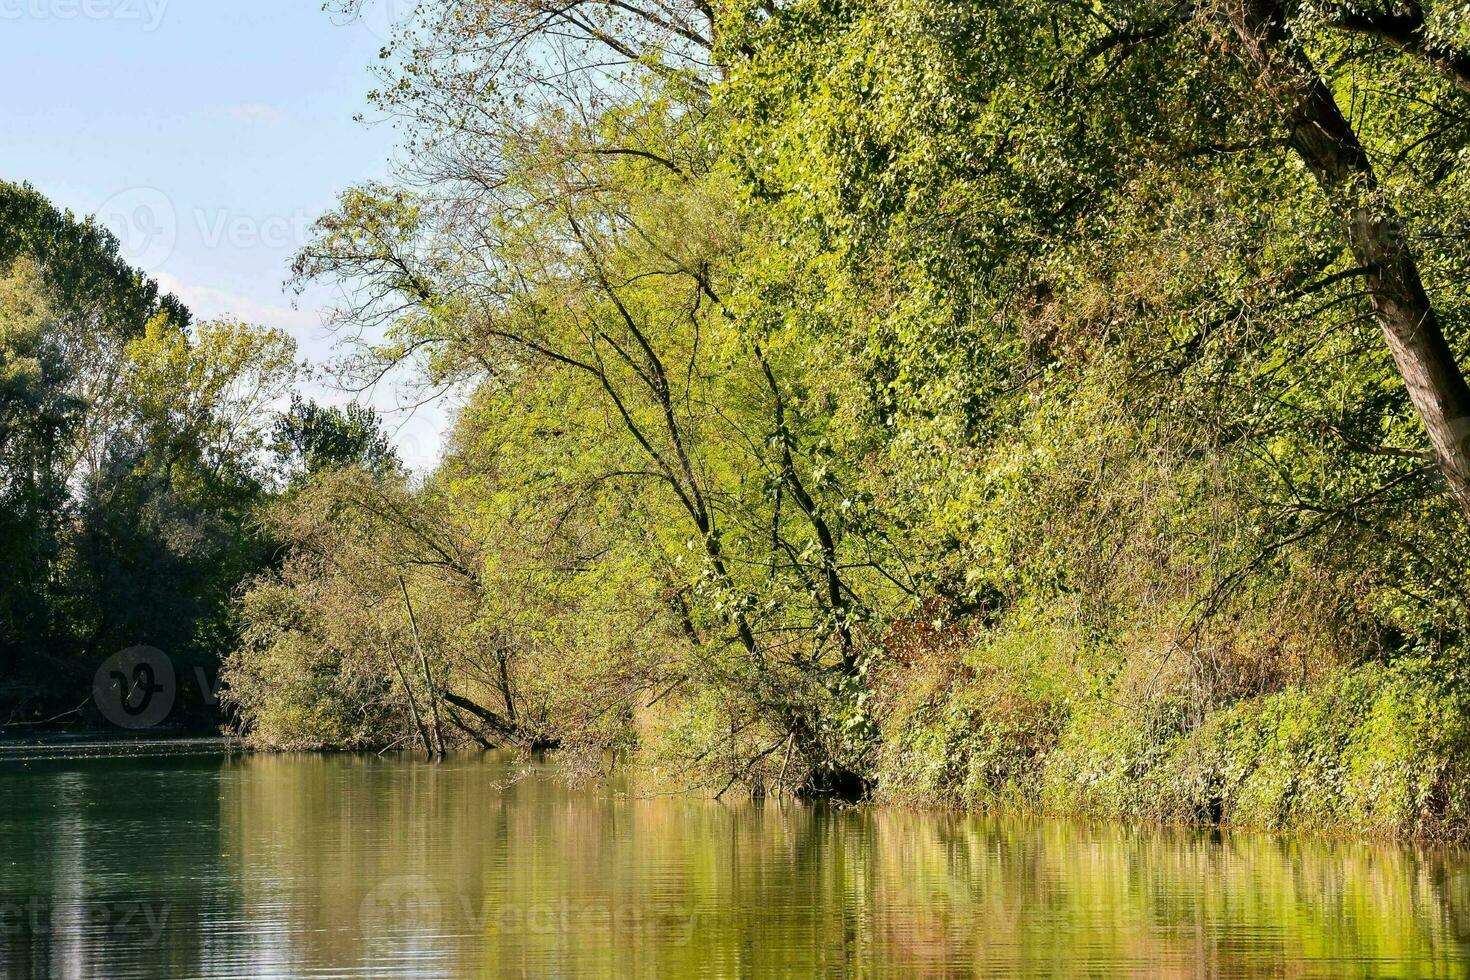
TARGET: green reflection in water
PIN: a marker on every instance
(350, 866)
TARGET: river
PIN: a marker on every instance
(352, 866)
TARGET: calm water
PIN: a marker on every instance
(360, 867)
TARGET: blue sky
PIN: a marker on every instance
(207, 134)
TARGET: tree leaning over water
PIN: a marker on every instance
(1027, 402)
(572, 239)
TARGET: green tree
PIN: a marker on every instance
(309, 438)
(131, 462)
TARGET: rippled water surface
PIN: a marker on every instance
(363, 867)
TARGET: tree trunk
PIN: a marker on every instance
(507, 730)
(1407, 30)
(502, 658)
(1330, 148)
(413, 709)
(459, 723)
(418, 646)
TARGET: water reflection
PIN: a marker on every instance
(348, 866)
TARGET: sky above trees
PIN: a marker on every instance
(207, 136)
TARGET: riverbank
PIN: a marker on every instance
(1378, 750)
(1381, 752)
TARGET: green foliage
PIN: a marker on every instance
(1120, 363)
(80, 262)
(37, 416)
(975, 402)
(130, 465)
(309, 438)
(1377, 750)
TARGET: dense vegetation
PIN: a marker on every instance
(136, 447)
(1051, 405)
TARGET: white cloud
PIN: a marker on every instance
(208, 303)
